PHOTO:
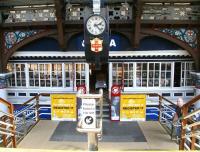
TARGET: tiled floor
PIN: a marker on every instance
(157, 139)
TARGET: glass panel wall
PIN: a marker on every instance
(186, 68)
(46, 74)
(149, 74)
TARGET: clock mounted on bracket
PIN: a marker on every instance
(95, 25)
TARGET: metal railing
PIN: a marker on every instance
(166, 111)
(15, 125)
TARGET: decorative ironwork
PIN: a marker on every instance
(188, 36)
(120, 12)
(74, 12)
(31, 15)
(117, 12)
(12, 38)
(167, 11)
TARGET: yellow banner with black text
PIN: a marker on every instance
(133, 107)
(63, 107)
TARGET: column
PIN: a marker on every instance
(3, 93)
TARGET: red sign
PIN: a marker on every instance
(82, 89)
(115, 102)
(116, 90)
(96, 45)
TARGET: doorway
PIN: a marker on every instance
(98, 77)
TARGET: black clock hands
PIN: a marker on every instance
(97, 25)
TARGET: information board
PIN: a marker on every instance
(63, 107)
(133, 107)
(88, 113)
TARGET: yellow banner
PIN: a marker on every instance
(132, 107)
(63, 107)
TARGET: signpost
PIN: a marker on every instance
(89, 122)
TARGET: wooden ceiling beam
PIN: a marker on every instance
(137, 29)
(60, 15)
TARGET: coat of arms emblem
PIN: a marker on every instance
(96, 45)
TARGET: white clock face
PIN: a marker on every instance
(96, 25)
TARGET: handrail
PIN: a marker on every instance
(186, 123)
(191, 114)
(156, 94)
(11, 119)
(192, 101)
(7, 114)
(33, 98)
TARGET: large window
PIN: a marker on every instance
(128, 75)
(154, 74)
(56, 75)
(166, 75)
(147, 74)
(11, 81)
(18, 77)
(34, 75)
(117, 73)
(46, 74)
(186, 67)
(142, 74)
(68, 74)
(80, 74)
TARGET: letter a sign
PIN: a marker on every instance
(96, 45)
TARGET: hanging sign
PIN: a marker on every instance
(88, 113)
(63, 107)
(133, 107)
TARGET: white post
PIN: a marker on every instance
(87, 77)
(96, 6)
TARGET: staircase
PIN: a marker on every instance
(106, 106)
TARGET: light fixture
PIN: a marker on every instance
(124, 9)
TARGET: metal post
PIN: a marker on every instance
(24, 123)
(92, 132)
(37, 108)
(92, 141)
(160, 106)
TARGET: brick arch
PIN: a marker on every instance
(194, 53)
(25, 42)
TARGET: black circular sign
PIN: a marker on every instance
(88, 120)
